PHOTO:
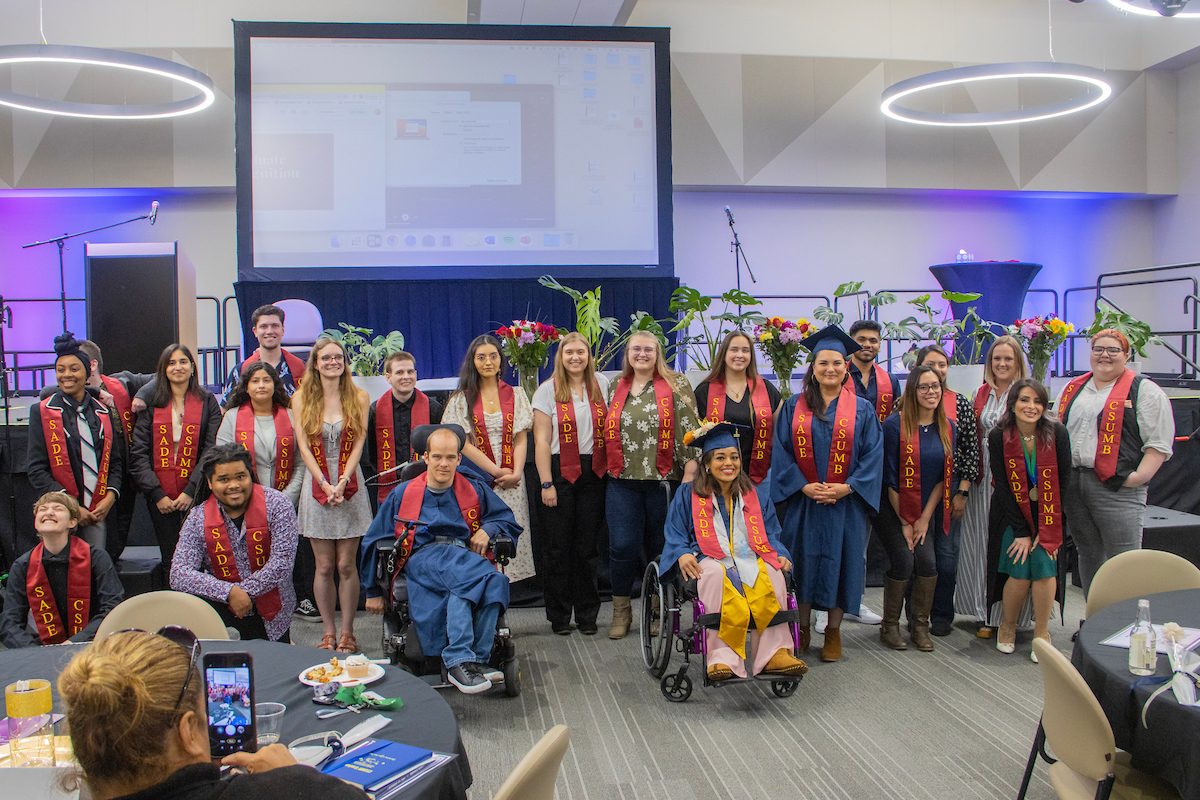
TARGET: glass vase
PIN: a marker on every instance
(528, 378)
(783, 377)
(1038, 367)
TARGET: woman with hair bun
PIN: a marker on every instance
(136, 711)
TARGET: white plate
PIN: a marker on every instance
(374, 673)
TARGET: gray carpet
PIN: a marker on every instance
(956, 723)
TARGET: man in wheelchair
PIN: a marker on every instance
(721, 536)
(447, 524)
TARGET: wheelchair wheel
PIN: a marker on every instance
(784, 688)
(676, 687)
(512, 678)
(656, 647)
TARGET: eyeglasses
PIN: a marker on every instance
(487, 356)
(929, 388)
(1112, 351)
(640, 350)
(332, 359)
(329, 739)
(185, 639)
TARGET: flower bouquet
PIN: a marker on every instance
(779, 340)
(1040, 337)
(527, 346)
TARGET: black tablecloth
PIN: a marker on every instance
(1170, 746)
(425, 720)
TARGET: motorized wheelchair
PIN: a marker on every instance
(400, 641)
(663, 632)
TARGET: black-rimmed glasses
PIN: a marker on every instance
(185, 639)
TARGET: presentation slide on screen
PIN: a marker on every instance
(369, 152)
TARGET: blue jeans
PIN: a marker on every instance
(945, 551)
(470, 631)
(636, 512)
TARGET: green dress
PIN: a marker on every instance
(1039, 564)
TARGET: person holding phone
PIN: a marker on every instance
(136, 707)
(237, 547)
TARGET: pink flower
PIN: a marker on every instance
(1030, 328)
(526, 337)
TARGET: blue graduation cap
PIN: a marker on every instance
(713, 436)
(830, 338)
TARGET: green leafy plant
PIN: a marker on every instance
(864, 307)
(1137, 332)
(932, 325)
(366, 354)
(694, 307)
(588, 321)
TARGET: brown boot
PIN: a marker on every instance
(805, 640)
(784, 663)
(622, 618)
(893, 601)
(832, 649)
(922, 604)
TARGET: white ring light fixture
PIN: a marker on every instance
(1125, 5)
(103, 57)
(1096, 91)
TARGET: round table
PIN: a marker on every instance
(425, 720)
(1170, 746)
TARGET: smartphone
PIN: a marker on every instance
(229, 698)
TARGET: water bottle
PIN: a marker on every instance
(1143, 646)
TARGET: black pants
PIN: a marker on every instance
(249, 627)
(905, 562)
(570, 530)
(166, 531)
(119, 520)
(304, 571)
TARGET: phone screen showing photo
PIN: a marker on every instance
(230, 704)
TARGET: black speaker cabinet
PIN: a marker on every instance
(141, 297)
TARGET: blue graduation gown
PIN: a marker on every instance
(680, 531)
(827, 542)
(436, 571)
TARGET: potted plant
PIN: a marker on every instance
(866, 307)
(702, 349)
(779, 340)
(1137, 332)
(366, 354)
(527, 347)
(1039, 338)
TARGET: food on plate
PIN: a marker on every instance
(357, 666)
(326, 672)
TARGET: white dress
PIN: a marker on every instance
(353, 516)
(520, 567)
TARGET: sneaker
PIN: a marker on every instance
(306, 610)
(468, 679)
(865, 616)
(940, 627)
(822, 620)
(491, 673)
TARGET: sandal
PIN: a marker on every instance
(328, 642)
(347, 644)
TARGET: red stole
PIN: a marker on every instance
(508, 407)
(295, 365)
(950, 405)
(981, 397)
(841, 445)
(50, 625)
(1049, 503)
(664, 400)
(173, 467)
(756, 529)
(910, 480)
(123, 403)
(410, 511)
(317, 443)
(285, 439)
(760, 413)
(1108, 443)
(258, 546)
(385, 436)
(60, 463)
(883, 392)
(568, 436)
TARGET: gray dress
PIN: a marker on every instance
(347, 521)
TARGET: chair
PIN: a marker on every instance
(1073, 724)
(1137, 573)
(302, 326)
(151, 611)
(533, 778)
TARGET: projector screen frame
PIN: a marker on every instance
(244, 31)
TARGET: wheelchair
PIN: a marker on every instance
(662, 607)
(401, 644)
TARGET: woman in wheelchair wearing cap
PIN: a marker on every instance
(734, 554)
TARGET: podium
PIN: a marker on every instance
(1002, 284)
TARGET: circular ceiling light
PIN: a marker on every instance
(1125, 5)
(1096, 91)
(103, 57)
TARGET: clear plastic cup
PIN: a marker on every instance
(268, 719)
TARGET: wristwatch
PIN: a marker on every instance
(548, 485)
(964, 492)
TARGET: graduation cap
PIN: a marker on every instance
(830, 338)
(419, 439)
(713, 436)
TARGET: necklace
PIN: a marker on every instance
(1027, 438)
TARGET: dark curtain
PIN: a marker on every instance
(440, 318)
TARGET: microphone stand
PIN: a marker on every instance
(739, 257)
(60, 241)
(6, 319)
